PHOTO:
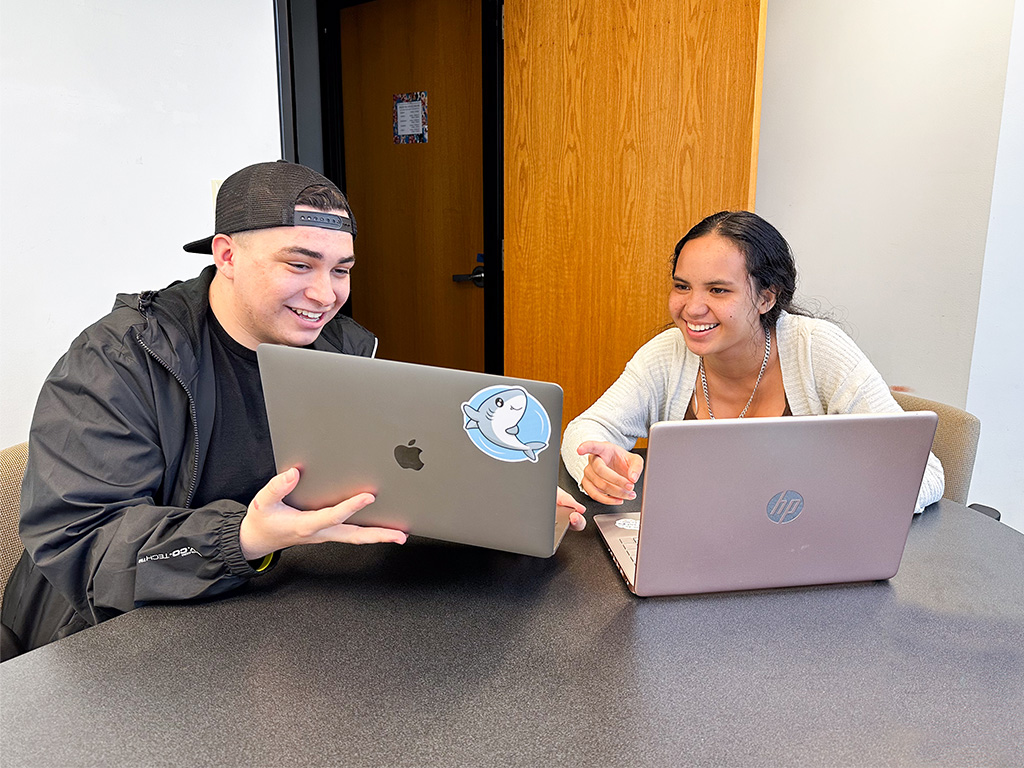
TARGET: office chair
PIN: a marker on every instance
(955, 445)
(12, 467)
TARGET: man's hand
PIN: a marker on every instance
(576, 519)
(270, 524)
(611, 472)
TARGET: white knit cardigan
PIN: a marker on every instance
(823, 371)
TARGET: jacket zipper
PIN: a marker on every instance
(192, 414)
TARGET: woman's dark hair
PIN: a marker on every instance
(768, 256)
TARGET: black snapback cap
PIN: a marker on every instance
(263, 196)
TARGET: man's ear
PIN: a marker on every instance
(225, 251)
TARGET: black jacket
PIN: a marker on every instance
(118, 441)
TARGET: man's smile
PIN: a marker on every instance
(314, 316)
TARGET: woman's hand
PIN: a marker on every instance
(611, 473)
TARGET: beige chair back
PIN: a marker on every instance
(955, 444)
(12, 467)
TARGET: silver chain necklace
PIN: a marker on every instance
(764, 365)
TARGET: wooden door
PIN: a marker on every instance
(625, 124)
(418, 206)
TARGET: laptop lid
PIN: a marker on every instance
(738, 504)
(452, 455)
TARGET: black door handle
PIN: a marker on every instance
(477, 276)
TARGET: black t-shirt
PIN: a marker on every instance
(240, 459)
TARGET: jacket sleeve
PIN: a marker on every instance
(100, 514)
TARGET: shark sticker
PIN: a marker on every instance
(507, 423)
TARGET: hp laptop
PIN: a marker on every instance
(738, 504)
(452, 455)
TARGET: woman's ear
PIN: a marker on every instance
(768, 298)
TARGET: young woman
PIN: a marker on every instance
(738, 350)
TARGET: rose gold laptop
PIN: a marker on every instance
(739, 504)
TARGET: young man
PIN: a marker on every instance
(151, 472)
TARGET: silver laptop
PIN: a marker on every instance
(453, 455)
(739, 504)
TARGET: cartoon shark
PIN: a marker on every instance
(498, 421)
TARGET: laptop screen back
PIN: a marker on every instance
(452, 455)
(754, 503)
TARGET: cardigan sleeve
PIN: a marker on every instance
(838, 378)
(648, 390)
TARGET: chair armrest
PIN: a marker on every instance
(990, 511)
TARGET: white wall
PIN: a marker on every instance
(879, 128)
(996, 392)
(115, 116)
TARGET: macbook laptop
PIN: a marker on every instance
(738, 504)
(452, 455)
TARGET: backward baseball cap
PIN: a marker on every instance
(263, 196)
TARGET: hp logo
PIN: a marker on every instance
(784, 507)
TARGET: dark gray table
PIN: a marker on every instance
(435, 654)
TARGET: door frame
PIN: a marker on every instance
(312, 133)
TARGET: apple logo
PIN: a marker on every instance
(408, 457)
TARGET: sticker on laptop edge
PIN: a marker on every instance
(507, 423)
